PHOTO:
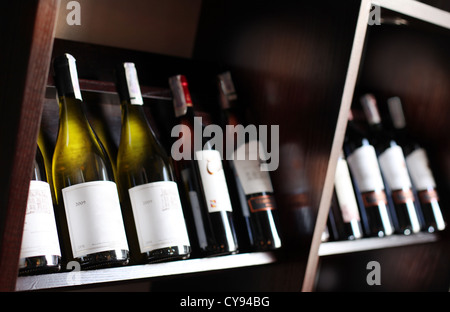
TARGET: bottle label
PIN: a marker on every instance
(40, 236)
(420, 171)
(374, 199)
(94, 217)
(378, 200)
(402, 196)
(393, 166)
(431, 197)
(364, 165)
(213, 181)
(248, 167)
(345, 193)
(261, 203)
(428, 196)
(158, 215)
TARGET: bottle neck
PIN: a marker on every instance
(72, 116)
(136, 124)
(376, 128)
(38, 173)
(66, 77)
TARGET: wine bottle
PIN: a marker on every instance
(149, 195)
(204, 179)
(253, 186)
(334, 227)
(393, 167)
(346, 202)
(363, 164)
(40, 251)
(89, 212)
(325, 237)
(418, 166)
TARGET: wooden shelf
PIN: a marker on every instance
(364, 244)
(66, 279)
(107, 87)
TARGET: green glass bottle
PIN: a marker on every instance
(154, 220)
(89, 213)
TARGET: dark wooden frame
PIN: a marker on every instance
(27, 40)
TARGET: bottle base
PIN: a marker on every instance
(44, 264)
(171, 253)
(104, 259)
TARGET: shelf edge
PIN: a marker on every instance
(372, 243)
(67, 279)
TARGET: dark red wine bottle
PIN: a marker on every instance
(253, 185)
(344, 204)
(419, 169)
(393, 167)
(363, 164)
(200, 168)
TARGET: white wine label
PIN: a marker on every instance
(158, 215)
(94, 217)
(40, 236)
(420, 171)
(364, 165)
(345, 193)
(393, 166)
(248, 167)
(213, 181)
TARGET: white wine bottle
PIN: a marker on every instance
(90, 218)
(151, 204)
(40, 252)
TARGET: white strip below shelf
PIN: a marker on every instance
(370, 243)
(47, 281)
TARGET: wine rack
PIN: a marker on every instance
(298, 65)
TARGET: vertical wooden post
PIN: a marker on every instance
(27, 31)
